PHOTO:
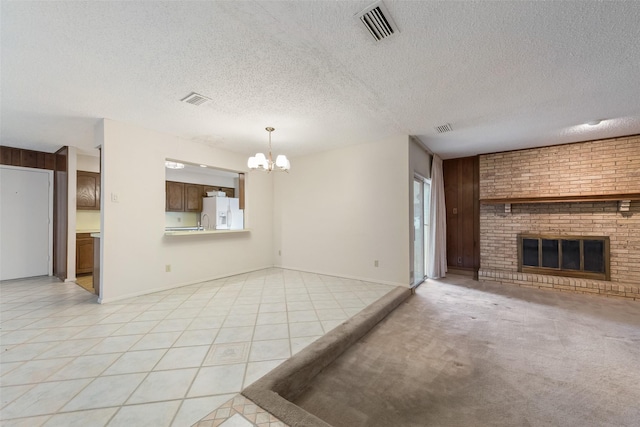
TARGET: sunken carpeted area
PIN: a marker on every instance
(463, 353)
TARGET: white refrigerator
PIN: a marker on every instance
(221, 213)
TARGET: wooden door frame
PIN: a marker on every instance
(61, 213)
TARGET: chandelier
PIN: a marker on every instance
(263, 163)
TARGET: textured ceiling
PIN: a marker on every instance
(505, 75)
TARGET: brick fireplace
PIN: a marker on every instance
(566, 191)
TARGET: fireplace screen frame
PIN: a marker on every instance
(606, 275)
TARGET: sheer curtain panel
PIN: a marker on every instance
(437, 262)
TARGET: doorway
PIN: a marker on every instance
(421, 204)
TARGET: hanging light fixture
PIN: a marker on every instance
(266, 164)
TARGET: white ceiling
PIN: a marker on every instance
(505, 75)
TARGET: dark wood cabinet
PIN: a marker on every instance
(88, 191)
(186, 197)
(175, 196)
(462, 195)
(193, 194)
(84, 253)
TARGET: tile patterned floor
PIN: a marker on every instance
(164, 359)
(240, 412)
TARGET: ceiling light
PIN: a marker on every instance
(203, 166)
(263, 163)
(594, 122)
(173, 165)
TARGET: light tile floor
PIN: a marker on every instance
(163, 359)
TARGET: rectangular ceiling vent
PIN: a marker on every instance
(378, 21)
(195, 99)
(444, 128)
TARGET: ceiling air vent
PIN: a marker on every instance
(444, 128)
(378, 21)
(195, 99)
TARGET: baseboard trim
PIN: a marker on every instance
(179, 285)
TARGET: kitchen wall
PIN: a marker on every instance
(135, 251)
(338, 211)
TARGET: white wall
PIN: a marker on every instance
(338, 211)
(134, 248)
(88, 163)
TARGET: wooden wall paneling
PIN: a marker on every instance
(450, 173)
(241, 190)
(5, 155)
(461, 178)
(28, 158)
(60, 214)
(476, 210)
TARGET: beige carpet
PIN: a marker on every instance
(463, 353)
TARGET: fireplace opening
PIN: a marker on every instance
(576, 256)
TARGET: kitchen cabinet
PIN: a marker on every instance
(175, 196)
(88, 191)
(84, 253)
(193, 194)
(186, 197)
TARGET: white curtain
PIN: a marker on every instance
(437, 262)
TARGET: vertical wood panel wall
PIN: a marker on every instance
(462, 195)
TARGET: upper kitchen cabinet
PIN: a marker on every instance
(88, 191)
(193, 197)
(183, 197)
(175, 196)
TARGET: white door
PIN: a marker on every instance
(26, 229)
(418, 232)
(421, 218)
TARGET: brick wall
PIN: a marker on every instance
(597, 167)
(590, 168)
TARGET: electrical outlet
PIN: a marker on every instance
(167, 268)
(375, 263)
(115, 198)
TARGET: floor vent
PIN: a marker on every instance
(378, 21)
(195, 99)
(444, 128)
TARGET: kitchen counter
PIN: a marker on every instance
(174, 232)
(87, 230)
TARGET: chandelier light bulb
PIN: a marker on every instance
(266, 163)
